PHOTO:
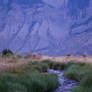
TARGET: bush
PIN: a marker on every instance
(58, 66)
(28, 55)
(7, 52)
(48, 62)
(18, 55)
(44, 67)
(84, 55)
(68, 54)
(54, 65)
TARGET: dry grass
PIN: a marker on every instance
(76, 59)
(14, 61)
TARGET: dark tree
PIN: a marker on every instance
(7, 52)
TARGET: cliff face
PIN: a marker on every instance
(50, 27)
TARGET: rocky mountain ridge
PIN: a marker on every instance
(49, 27)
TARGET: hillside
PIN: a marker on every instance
(49, 27)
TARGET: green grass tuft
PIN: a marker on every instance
(34, 82)
(28, 78)
(54, 65)
(82, 73)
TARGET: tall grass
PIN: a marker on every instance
(80, 72)
(85, 85)
(34, 82)
(28, 78)
(54, 65)
(31, 77)
(77, 71)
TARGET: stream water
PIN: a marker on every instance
(65, 84)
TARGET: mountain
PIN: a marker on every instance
(49, 27)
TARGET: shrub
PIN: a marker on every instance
(48, 62)
(58, 66)
(18, 55)
(68, 54)
(54, 65)
(28, 55)
(7, 52)
(44, 67)
(84, 55)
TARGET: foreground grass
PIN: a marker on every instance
(34, 82)
(77, 71)
(28, 78)
(80, 72)
(31, 77)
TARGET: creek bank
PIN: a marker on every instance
(65, 84)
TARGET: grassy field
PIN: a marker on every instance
(27, 74)
(82, 73)
(78, 71)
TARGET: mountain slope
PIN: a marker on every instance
(50, 27)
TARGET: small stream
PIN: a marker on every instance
(65, 84)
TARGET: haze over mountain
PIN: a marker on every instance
(50, 27)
